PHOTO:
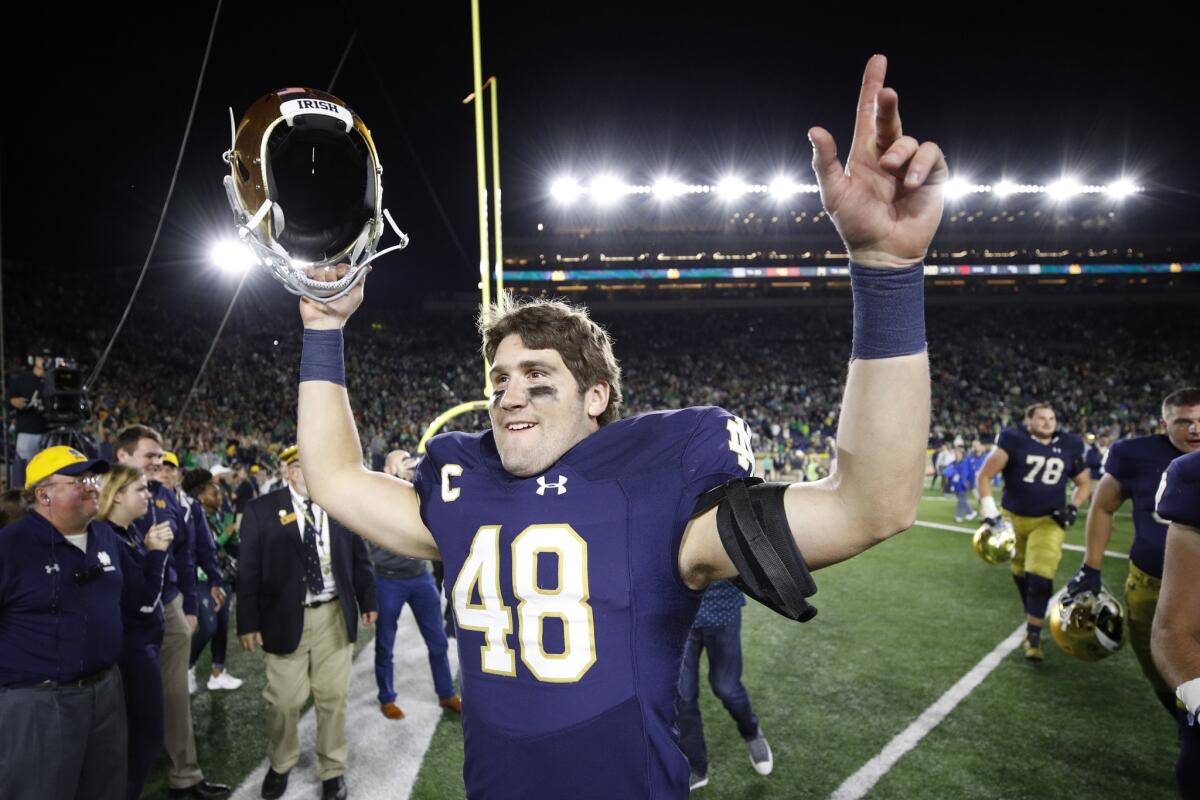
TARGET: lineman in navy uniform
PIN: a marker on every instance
(141, 447)
(1133, 469)
(1036, 464)
(569, 674)
(62, 707)
(1176, 639)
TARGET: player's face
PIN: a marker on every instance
(1043, 423)
(1183, 427)
(537, 411)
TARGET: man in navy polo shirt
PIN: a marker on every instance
(60, 635)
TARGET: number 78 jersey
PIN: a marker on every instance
(570, 610)
(1036, 475)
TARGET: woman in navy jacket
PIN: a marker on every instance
(124, 497)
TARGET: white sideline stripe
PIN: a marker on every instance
(862, 781)
(385, 755)
(943, 527)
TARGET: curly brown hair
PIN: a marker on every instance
(585, 347)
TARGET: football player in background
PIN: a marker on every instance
(1177, 624)
(577, 543)
(1036, 463)
(1133, 469)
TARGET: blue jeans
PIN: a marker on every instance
(422, 595)
(724, 645)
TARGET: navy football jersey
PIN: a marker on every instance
(1179, 492)
(1139, 464)
(570, 609)
(1036, 475)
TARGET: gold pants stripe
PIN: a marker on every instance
(1039, 545)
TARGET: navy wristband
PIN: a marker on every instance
(321, 357)
(889, 311)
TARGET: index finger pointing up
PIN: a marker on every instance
(864, 121)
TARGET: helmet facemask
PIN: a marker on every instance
(305, 188)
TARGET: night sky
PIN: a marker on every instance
(101, 103)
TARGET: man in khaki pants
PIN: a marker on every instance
(303, 581)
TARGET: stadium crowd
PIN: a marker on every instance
(1103, 368)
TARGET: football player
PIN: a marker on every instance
(1176, 638)
(576, 543)
(1133, 468)
(1036, 464)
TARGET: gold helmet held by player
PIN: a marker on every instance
(995, 546)
(1088, 626)
(306, 190)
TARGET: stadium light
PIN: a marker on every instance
(1064, 189)
(731, 188)
(565, 190)
(1121, 188)
(783, 187)
(606, 190)
(1004, 188)
(667, 188)
(232, 256)
(956, 188)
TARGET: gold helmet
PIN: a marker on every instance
(305, 188)
(1088, 626)
(995, 546)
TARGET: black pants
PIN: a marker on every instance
(1187, 768)
(64, 744)
(141, 673)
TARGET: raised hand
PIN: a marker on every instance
(331, 316)
(887, 201)
(159, 537)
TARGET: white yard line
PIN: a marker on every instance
(865, 778)
(385, 754)
(862, 781)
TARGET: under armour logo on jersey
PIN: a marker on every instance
(103, 558)
(52, 568)
(561, 486)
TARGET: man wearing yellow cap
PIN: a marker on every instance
(60, 636)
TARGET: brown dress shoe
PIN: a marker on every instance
(391, 711)
(452, 703)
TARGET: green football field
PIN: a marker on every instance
(898, 627)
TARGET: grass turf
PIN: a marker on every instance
(897, 627)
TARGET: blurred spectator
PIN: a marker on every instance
(24, 396)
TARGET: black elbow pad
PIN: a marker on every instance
(754, 531)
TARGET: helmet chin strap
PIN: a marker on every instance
(292, 273)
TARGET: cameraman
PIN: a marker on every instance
(24, 394)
